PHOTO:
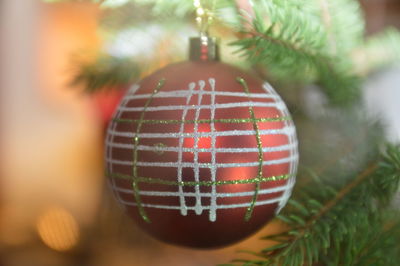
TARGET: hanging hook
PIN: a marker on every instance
(204, 48)
(204, 16)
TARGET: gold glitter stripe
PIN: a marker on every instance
(250, 209)
(160, 181)
(135, 153)
(204, 121)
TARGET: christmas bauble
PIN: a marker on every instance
(201, 154)
(105, 102)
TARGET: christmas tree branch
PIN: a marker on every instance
(318, 41)
(297, 48)
(342, 193)
(344, 24)
(325, 222)
(327, 22)
(390, 230)
(106, 72)
(331, 203)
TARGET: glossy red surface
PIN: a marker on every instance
(196, 230)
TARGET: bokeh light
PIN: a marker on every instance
(58, 229)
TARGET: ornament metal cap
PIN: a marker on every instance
(204, 48)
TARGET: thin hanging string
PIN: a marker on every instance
(204, 15)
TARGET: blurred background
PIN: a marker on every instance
(55, 208)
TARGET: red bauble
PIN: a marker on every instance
(105, 103)
(201, 154)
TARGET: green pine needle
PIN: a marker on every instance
(346, 227)
(106, 73)
(306, 45)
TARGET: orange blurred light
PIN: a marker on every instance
(58, 229)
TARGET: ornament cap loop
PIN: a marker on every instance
(204, 48)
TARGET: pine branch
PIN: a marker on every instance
(297, 41)
(292, 45)
(106, 72)
(344, 24)
(326, 223)
(381, 248)
(341, 194)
